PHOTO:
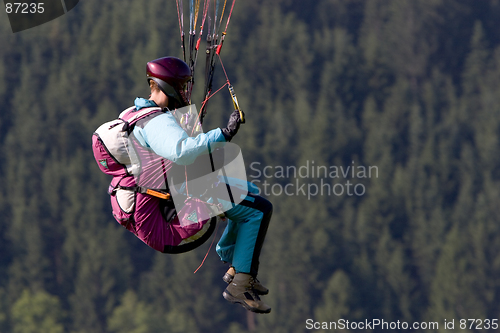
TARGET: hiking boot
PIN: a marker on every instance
(257, 286)
(241, 290)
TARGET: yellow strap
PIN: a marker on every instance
(222, 15)
(158, 194)
(235, 102)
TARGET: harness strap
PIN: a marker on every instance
(159, 194)
(156, 193)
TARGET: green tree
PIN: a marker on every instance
(37, 312)
(336, 299)
(132, 316)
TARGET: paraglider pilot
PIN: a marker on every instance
(243, 237)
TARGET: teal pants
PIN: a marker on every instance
(242, 240)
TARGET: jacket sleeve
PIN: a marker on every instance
(167, 139)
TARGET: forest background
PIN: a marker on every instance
(409, 87)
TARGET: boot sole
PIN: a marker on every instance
(235, 300)
(228, 278)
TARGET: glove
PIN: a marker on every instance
(232, 125)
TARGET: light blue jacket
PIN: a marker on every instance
(166, 137)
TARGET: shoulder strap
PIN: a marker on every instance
(131, 116)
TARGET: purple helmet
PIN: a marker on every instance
(172, 75)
